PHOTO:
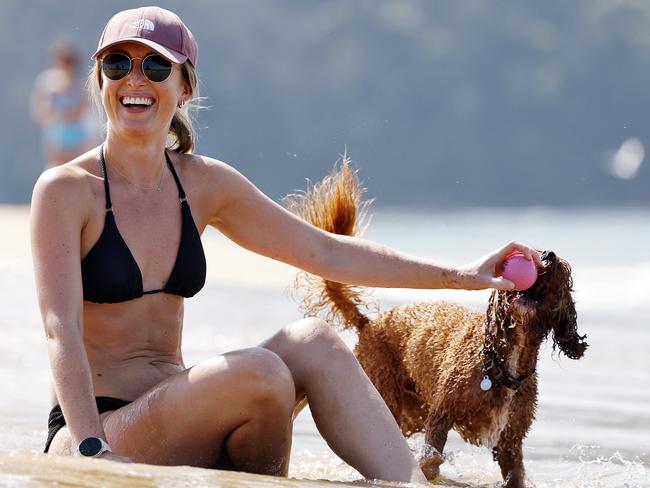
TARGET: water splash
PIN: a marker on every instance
(596, 470)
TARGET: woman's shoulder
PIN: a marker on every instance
(210, 182)
(70, 180)
(201, 163)
(205, 170)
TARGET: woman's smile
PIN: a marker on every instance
(137, 104)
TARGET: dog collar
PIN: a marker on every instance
(493, 370)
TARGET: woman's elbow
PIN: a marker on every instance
(57, 329)
(326, 260)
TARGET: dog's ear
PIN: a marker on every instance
(497, 311)
(565, 334)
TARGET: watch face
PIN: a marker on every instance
(91, 446)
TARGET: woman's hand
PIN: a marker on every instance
(485, 272)
(111, 456)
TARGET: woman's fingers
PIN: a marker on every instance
(514, 246)
(486, 272)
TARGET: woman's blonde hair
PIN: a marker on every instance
(182, 136)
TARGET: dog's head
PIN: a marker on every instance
(546, 307)
(554, 308)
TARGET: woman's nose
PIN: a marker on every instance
(136, 77)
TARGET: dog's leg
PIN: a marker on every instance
(511, 462)
(436, 429)
(508, 452)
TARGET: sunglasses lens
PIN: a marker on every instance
(116, 66)
(156, 68)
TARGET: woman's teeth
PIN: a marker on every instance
(136, 101)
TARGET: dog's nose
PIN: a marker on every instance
(548, 255)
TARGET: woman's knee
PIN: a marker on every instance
(309, 341)
(314, 333)
(265, 377)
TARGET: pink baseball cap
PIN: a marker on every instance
(161, 30)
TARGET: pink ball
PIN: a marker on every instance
(521, 271)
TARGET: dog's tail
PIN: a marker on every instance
(335, 205)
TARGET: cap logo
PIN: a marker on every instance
(144, 24)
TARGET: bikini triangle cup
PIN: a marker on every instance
(110, 273)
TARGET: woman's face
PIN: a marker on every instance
(152, 117)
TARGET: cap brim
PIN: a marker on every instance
(169, 54)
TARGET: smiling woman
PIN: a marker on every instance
(114, 261)
(116, 65)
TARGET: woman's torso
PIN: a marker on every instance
(135, 344)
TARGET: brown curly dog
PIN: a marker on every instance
(442, 366)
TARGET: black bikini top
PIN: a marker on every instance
(110, 273)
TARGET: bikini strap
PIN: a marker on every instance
(107, 191)
(181, 192)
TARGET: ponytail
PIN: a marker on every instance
(182, 137)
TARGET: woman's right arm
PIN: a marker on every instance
(57, 219)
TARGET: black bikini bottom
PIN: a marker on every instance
(56, 421)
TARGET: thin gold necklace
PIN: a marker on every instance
(148, 188)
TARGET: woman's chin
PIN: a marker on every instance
(135, 129)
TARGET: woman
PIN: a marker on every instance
(59, 104)
(114, 258)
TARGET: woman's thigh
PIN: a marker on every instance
(187, 418)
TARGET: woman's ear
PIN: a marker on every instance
(186, 94)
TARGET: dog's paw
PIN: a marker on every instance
(430, 463)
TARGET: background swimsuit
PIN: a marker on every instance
(65, 133)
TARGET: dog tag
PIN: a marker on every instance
(486, 384)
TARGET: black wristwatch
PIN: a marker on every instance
(92, 447)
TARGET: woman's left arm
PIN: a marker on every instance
(255, 222)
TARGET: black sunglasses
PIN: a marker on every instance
(116, 66)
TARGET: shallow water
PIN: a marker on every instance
(593, 420)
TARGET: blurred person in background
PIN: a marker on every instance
(60, 105)
(116, 248)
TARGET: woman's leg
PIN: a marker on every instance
(235, 409)
(348, 411)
